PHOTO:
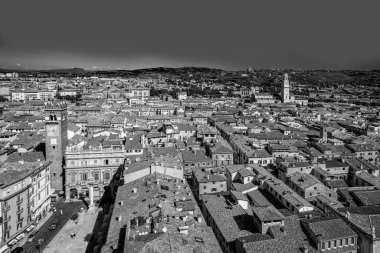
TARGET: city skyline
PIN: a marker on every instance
(218, 34)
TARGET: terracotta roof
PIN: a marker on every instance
(267, 213)
(329, 229)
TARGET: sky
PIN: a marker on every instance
(233, 35)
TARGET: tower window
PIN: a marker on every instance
(106, 162)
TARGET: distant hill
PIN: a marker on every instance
(71, 71)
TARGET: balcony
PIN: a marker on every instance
(8, 228)
(7, 218)
(20, 210)
(29, 194)
(6, 208)
(19, 201)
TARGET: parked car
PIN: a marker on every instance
(17, 250)
(53, 226)
(32, 235)
(12, 243)
(30, 228)
(20, 236)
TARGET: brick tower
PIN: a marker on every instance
(56, 140)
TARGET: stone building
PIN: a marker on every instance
(89, 170)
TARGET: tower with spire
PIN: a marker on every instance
(285, 90)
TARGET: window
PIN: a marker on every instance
(72, 178)
(95, 161)
(352, 240)
(221, 185)
(107, 175)
(341, 242)
(329, 245)
(346, 241)
(213, 189)
(96, 176)
(83, 177)
(106, 161)
(205, 187)
(335, 244)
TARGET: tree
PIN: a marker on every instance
(74, 217)
(3, 99)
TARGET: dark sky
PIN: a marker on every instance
(300, 34)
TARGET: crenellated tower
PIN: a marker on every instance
(56, 140)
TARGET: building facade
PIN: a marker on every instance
(24, 196)
(91, 168)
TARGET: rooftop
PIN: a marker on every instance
(11, 173)
(155, 209)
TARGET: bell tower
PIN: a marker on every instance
(285, 91)
(56, 141)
